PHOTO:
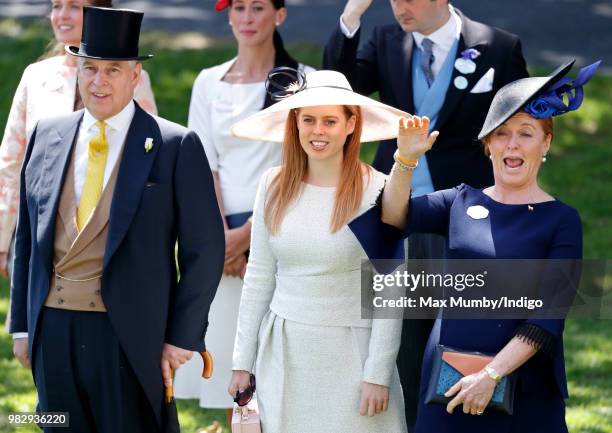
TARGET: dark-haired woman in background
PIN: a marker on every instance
(221, 96)
(47, 88)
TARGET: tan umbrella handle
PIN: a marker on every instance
(207, 371)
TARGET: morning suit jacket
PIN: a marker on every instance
(383, 65)
(160, 196)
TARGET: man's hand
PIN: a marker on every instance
(20, 350)
(354, 9)
(4, 264)
(374, 399)
(172, 358)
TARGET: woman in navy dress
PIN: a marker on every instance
(513, 219)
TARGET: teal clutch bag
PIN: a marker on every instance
(451, 365)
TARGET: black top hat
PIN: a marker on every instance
(109, 34)
(513, 96)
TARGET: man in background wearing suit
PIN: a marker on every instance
(106, 192)
(438, 63)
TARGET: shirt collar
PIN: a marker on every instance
(119, 122)
(446, 35)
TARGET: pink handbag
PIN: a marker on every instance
(245, 419)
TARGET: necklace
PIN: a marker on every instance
(530, 206)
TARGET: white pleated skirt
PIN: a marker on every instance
(222, 319)
(309, 377)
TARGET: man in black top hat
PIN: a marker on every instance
(106, 193)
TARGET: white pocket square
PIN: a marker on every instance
(485, 84)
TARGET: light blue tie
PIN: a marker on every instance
(427, 60)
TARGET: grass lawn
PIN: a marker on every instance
(578, 172)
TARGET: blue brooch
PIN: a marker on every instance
(470, 53)
(466, 65)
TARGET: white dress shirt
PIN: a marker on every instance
(116, 131)
(443, 38)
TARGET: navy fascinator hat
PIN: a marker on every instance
(540, 97)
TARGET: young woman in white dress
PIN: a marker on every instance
(320, 367)
(221, 96)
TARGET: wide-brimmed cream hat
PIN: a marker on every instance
(380, 121)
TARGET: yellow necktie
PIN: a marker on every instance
(94, 178)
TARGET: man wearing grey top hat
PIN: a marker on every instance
(106, 193)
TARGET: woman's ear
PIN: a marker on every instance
(350, 124)
(547, 142)
(281, 16)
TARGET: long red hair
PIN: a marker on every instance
(287, 184)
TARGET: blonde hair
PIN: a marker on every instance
(287, 184)
(55, 48)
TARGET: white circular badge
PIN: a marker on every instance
(461, 82)
(465, 66)
(477, 212)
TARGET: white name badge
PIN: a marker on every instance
(477, 212)
(461, 82)
(465, 66)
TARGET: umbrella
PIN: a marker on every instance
(171, 418)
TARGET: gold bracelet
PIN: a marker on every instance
(399, 167)
(403, 164)
(407, 162)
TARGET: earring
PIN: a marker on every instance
(230, 23)
(491, 157)
(544, 158)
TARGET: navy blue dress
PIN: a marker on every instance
(539, 231)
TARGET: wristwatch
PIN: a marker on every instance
(493, 374)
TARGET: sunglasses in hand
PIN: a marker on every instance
(243, 398)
